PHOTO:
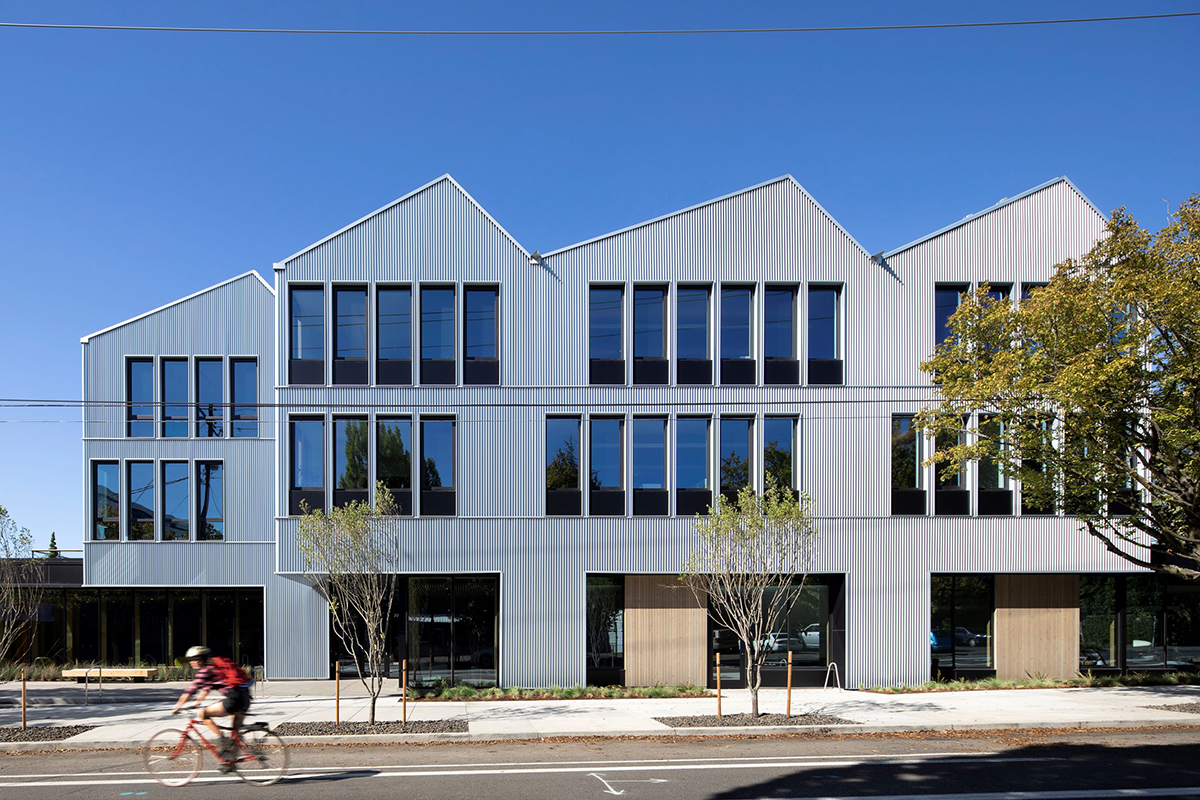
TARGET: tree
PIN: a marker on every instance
(352, 556)
(750, 566)
(1089, 390)
(52, 552)
(20, 583)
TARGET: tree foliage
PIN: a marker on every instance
(21, 580)
(1089, 390)
(750, 566)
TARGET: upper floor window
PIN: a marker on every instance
(141, 500)
(995, 496)
(946, 300)
(394, 336)
(139, 397)
(999, 291)
(650, 494)
(779, 342)
(393, 459)
(607, 468)
(349, 460)
(693, 493)
(307, 308)
(437, 467)
(692, 339)
(210, 397)
(307, 447)
(106, 501)
(176, 523)
(562, 466)
(437, 335)
(907, 495)
(481, 323)
(210, 501)
(1028, 289)
(736, 447)
(779, 451)
(606, 315)
(244, 388)
(650, 365)
(350, 335)
(825, 335)
(950, 495)
(175, 397)
(737, 334)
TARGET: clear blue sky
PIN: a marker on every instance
(136, 168)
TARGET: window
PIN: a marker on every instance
(106, 501)
(650, 365)
(824, 335)
(605, 630)
(693, 490)
(907, 495)
(737, 336)
(951, 496)
(779, 449)
(1028, 289)
(393, 459)
(563, 494)
(606, 315)
(307, 364)
(607, 467)
(962, 640)
(244, 380)
(139, 396)
(694, 357)
(175, 397)
(1037, 498)
(308, 465)
(946, 300)
(349, 460)
(736, 466)
(437, 336)
(481, 352)
(394, 336)
(210, 398)
(995, 496)
(999, 291)
(210, 501)
(350, 335)
(437, 467)
(650, 493)
(779, 341)
(141, 500)
(176, 524)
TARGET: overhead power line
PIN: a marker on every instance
(600, 32)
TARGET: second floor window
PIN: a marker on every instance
(908, 496)
(562, 453)
(779, 451)
(308, 454)
(176, 524)
(139, 397)
(244, 388)
(141, 500)
(210, 397)
(608, 453)
(106, 501)
(437, 467)
(649, 453)
(175, 397)
(350, 455)
(736, 468)
(393, 459)
(210, 501)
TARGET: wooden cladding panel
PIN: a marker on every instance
(1037, 625)
(666, 632)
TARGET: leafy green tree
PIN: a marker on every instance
(1092, 386)
(21, 580)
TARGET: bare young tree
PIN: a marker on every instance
(20, 583)
(352, 555)
(750, 566)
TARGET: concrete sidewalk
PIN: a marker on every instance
(128, 724)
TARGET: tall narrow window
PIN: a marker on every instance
(692, 339)
(563, 493)
(650, 364)
(946, 300)
(106, 501)
(736, 465)
(175, 397)
(437, 336)
(393, 460)
(244, 380)
(481, 323)
(907, 495)
(606, 316)
(210, 501)
(139, 396)
(176, 522)
(995, 495)
(825, 335)
(779, 342)
(693, 487)
(650, 494)
(308, 465)
(737, 335)
(779, 452)
(1037, 498)
(210, 397)
(141, 500)
(951, 496)
(307, 362)
(350, 335)
(394, 336)
(349, 460)
(607, 467)
(437, 468)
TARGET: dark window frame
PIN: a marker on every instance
(132, 416)
(402, 495)
(242, 413)
(439, 501)
(564, 501)
(439, 371)
(824, 370)
(163, 465)
(740, 370)
(388, 370)
(210, 416)
(199, 536)
(603, 500)
(365, 291)
(963, 288)
(482, 370)
(339, 461)
(793, 441)
(751, 436)
(316, 496)
(608, 370)
(98, 520)
(128, 523)
(305, 371)
(184, 422)
(794, 338)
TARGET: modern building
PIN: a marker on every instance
(549, 425)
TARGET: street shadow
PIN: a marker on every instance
(327, 777)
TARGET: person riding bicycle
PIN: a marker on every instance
(217, 673)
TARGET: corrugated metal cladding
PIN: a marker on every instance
(774, 233)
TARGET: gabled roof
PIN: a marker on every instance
(706, 203)
(235, 278)
(447, 177)
(1001, 204)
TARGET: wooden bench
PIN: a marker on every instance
(137, 673)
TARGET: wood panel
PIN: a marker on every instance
(666, 632)
(1037, 625)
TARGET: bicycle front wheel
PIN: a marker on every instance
(172, 757)
(264, 758)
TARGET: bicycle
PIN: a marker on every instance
(257, 754)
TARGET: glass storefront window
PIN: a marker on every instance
(605, 622)
(1144, 634)
(961, 635)
(452, 626)
(1097, 621)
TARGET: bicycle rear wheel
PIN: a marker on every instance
(172, 757)
(264, 758)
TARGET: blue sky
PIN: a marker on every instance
(136, 168)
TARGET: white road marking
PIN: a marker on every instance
(608, 785)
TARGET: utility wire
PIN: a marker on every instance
(611, 32)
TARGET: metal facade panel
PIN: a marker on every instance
(178, 564)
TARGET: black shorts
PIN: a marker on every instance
(237, 700)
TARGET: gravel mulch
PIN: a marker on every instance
(41, 733)
(738, 720)
(1188, 708)
(360, 728)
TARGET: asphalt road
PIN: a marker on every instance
(1039, 766)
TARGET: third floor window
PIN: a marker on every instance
(175, 397)
(606, 335)
(243, 373)
(779, 341)
(350, 335)
(139, 396)
(737, 335)
(307, 327)
(437, 335)
(692, 340)
(394, 336)
(481, 335)
(825, 335)
(650, 364)
(210, 397)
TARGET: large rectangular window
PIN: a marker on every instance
(394, 336)
(210, 397)
(951, 496)
(175, 397)
(176, 509)
(481, 335)
(244, 389)
(737, 335)
(141, 500)
(307, 309)
(350, 335)
(607, 468)
(651, 497)
(437, 467)
(907, 495)
(139, 397)
(995, 495)
(106, 501)
(605, 630)
(779, 451)
(825, 335)
(393, 459)
(308, 465)
(650, 364)
(946, 300)
(606, 335)
(961, 636)
(210, 501)
(779, 341)
(563, 493)
(692, 339)
(736, 449)
(349, 460)
(437, 335)
(693, 489)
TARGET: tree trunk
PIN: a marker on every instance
(752, 681)
(371, 714)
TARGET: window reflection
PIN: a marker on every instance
(608, 453)
(779, 436)
(437, 323)
(605, 322)
(175, 495)
(141, 500)
(437, 454)
(210, 396)
(780, 322)
(691, 457)
(823, 323)
(692, 322)
(649, 319)
(736, 318)
(210, 503)
(735, 454)
(562, 453)
(395, 323)
(308, 323)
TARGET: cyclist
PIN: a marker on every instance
(217, 673)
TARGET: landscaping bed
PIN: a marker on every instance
(365, 728)
(742, 720)
(1187, 708)
(41, 733)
